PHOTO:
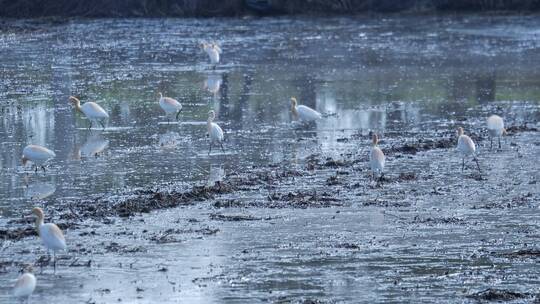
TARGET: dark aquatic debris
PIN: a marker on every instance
(302, 200)
(492, 294)
(235, 217)
(423, 145)
(520, 128)
(19, 233)
(407, 176)
(523, 253)
(348, 246)
(438, 221)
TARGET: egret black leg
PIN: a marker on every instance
(491, 143)
(178, 114)
(499, 142)
(477, 164)
(210, 150)
(463, 164)
(102, 124)
(43, 167)
(222, 150)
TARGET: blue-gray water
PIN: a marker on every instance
(391, 74)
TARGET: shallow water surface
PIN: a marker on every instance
(404, 78)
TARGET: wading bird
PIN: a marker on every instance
(25, 285)
(91, 110)
(303, 112)
(170, 106)
(38, 155)
(466, 147)
(495, 125)
(214, 131)
(51, 236)
(376, 158)
(213, 50)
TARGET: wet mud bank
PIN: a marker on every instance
(409, 197)
(322, 181)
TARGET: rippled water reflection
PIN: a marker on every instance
(383, 74)
(374, 74)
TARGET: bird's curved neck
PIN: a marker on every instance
(294, 110)
(39, 223)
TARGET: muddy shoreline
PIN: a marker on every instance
(104, 209)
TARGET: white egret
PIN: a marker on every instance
(466, 147)
(495, 125)
(51, 236)
(214, 131)
(25, 285)
(38, 155)
(376, 158)
(305, 113)
(170, 106)
(91, 110)
(213, 50)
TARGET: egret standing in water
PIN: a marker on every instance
(51, 236)
(214, 131)
(38, 155)
(91, 110)
(170, 106)
(213, 50)
(466, 147)
(302, 112)
(376, 158)
(495, 125)
(25, 285)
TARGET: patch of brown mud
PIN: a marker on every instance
(523, 253)
(438, 221)
(526, 200)
(19, 233)
(235, 217)
(302, 200)
(492, 294)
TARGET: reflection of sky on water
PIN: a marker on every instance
(362, 78)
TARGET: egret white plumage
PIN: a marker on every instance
(302, 112)
(91, 110)
(213, 50)
(495, 125)
(466, 147)
(25, 285)
(376, 158)
(38, 155)
(214, 131)
(170, 106)
(51, 236)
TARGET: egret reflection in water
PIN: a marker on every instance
(216, 173)
(39, 190)
(95, 144)
(213, 83)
